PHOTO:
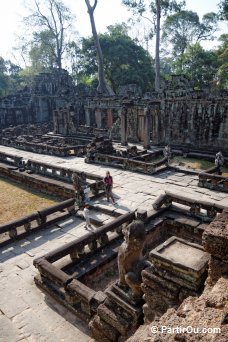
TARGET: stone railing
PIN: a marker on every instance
(82, 252)
(213, 169)
(94, 182)
(128, 163)
(88, 130)
(213, 182)
(41, 219)
(45, 148)
(9, 159)
(195, 207)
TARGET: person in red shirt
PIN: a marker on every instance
(108, 181)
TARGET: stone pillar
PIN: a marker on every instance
(124, 126)
(87, 116)
(155, 110)
(98, 117)
(55, 121)
(65, 120)
(146, 135)
(109, 118)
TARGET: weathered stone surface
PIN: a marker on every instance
(215, 237)
(217, 268)
(57, 238)
(11, 307)
(207, 311)
(182, 259)
(8, 331)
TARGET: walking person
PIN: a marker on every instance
(86, 216)
(108, 181)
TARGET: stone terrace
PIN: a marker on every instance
(26, 313)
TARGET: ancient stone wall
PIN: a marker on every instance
(36, 104)
(176, 115)
(195, 122)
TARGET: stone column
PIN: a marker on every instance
(123, 129)
(109, 118)
(55, 120)
(87, 116)
(155, 113)
(146, 135)
(98, 117)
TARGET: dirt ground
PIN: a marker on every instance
(17, 201)
(200, 164)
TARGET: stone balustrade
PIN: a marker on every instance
(128, 163)
(23, 226)
(76, 295)
(195, 207)
(94, 182)
(213, 182)
(45, 148)
(10, 159)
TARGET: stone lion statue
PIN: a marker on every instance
(130, 258)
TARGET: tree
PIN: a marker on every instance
(199, 65)
(51, 18)
(222, 55)
(125, 62)
(73, 53)
(42, 51)
(10, 79)
(103, 87)
(223, 10)
(3, 77)
(184, 27)
(156, 8)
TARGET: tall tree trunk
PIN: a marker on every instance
(103, 87)
(157, 48)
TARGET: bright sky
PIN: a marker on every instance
(107, 12)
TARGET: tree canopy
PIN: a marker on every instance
(152, 11)
(199, 65)
(51, 18)
(124, 61)
(114, 58)
(10, 79)
(184, 28)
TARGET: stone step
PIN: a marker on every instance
(123, 295)
(132, 310)
(102, 329)
(114, 319)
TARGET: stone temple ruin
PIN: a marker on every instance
(159, 258)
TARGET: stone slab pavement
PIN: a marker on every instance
(130, 188)
(26, 313)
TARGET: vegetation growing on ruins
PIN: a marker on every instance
(118, 57)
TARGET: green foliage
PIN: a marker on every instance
(10, 79)
(223, 10)
(50, 21)
(125, 61)
(222, 55)
(42, 51)
(198, 64)
(167, 6)
(184, 27)
(153, 11)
